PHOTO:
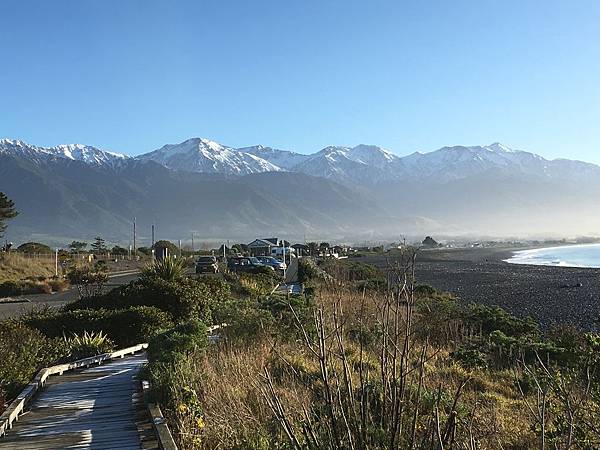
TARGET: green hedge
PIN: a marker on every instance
(185, 299)
(177, 342)
(124, 327)
(23, 351)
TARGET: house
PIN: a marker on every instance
(268, 247)
(261, 247)
(301, 249)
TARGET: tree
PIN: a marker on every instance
(77, 246)
(7, 211)
(34, 247)
(173, 249)
(313, 248)
(89, 281)
(119, 251)
(99, 246)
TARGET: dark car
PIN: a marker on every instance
(207, 264)
(246, 264)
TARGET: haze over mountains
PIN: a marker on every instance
(362, 192)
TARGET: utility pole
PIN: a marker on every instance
(192, 242)
(134, 240)
(179, 242)
(56, 263)
(152, 235)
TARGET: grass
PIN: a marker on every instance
(345, 381)
(16, 267)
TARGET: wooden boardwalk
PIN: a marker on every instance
(96, 408)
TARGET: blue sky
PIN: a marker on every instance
(133, 75)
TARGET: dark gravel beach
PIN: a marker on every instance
(550, 295)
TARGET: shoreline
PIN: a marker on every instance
(551, 295)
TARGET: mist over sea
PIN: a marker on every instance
(585, 255)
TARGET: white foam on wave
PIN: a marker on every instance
(581, 256)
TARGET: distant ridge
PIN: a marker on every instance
(199, 184)
(362, 164)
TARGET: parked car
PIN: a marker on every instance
(279, 266)
(246, 264)
(207, 264)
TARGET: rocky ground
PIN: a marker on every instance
(550, 295)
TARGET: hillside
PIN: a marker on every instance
(361, 193)
(68, 199)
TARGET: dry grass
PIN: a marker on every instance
(220, 403)
(15, 267)
(273, 394)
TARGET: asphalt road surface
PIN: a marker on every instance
(24, 303)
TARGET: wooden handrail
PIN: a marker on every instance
(18, 405)
(159, 423)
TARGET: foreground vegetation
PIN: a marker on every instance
(363, 359)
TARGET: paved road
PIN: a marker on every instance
(56, 300)
(96, 408)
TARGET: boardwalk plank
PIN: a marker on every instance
(95, 408)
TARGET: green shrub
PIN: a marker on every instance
(492, 318)
(469, 358)
(35, 247)
(23, 351)
(168, 269)
(245, 321)
(185, 299)
(177, 342)
(287, 311)
(125, 327)
(89, 281)
(89, 344)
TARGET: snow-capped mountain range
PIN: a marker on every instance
(362, 164)
(76, 152)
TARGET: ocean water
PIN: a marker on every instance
(585, 255)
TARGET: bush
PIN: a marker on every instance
(185, 299)
(469, 358)
(177, 342)
(125, 327)
(490, 319)
(89, 344)
(168, 269)
(245, 321)
(353, 271)
(89, 281)
(308, 271)
(23, 352)
(35, 247)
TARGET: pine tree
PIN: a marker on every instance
(99, 246)
(7, 211)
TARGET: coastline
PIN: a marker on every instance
(551, 295)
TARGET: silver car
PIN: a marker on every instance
(279, 266)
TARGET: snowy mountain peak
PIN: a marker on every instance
(372, 155)
(500, 148)
(206, 156)
(362, 164)
(75, 152)
(280, 158)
